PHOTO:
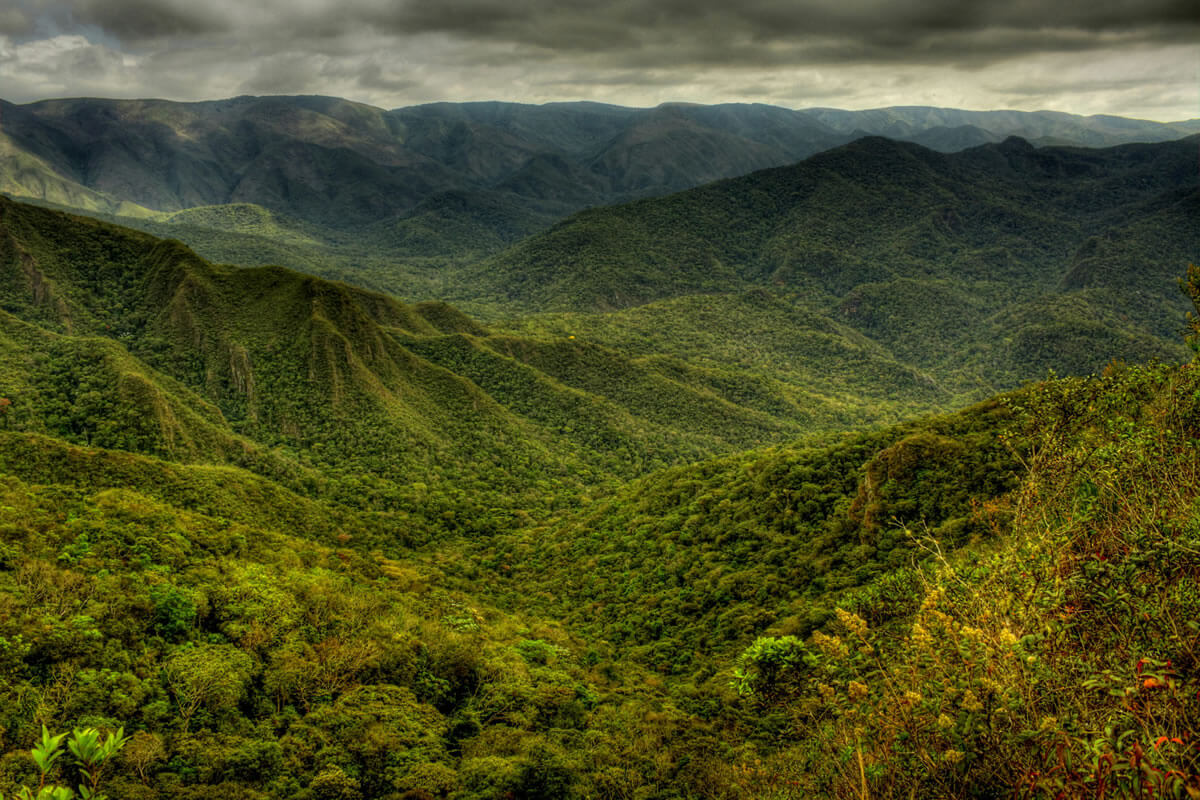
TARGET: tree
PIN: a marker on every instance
(144, 749)
(209, 675)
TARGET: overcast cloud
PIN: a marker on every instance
(1135, 58)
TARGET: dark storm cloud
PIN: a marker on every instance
(287, 73)
(758, 32)
(131, 20)
(858, 53)
(297, 73)
(15, 21)
(667, 33)
(372, 75)
(1051, 86)
(620, 78)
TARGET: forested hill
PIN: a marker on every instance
(990, 265)
(873, 211)
(403, 201)
(113, 338)
(440, 181)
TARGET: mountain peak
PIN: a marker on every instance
(1016, 144)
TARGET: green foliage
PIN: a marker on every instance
(174, 612)
(91, 753)
(773, 667)
(980, 270)
(1190, 285)
(294, 669)
(46, 752)
(684, 564)
(341, 394)
(763, 350)
(211, 676)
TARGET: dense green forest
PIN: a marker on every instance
(1028, 621)
(801, 511)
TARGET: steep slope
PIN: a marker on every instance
(695, 560)
(112, 338)
(278, 358)
(1087, 596)
(286, 358)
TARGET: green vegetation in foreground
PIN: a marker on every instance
(1064, 661)
(244, 662)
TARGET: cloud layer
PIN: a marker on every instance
(1129, 57)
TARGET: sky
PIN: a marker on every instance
(1135, 58)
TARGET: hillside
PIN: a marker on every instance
(112, 338)
(689, 562)
(1031, 254)
(1060, 662)
(873, 210)
(894, 596)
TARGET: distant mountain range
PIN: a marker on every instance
(870, 211)
(338, 164)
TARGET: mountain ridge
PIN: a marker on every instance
(263, 149)
(276, 370)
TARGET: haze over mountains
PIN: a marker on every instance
(345, 165)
